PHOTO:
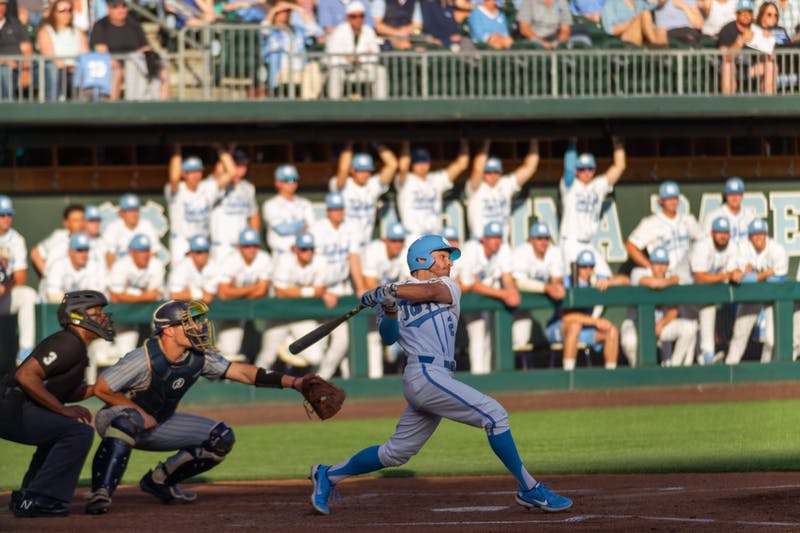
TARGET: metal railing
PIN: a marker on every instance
(228, 62)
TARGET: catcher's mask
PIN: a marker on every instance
(74, 310)
(192, 315)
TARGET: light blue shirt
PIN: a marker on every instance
(482, 25)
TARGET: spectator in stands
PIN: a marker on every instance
(714, 260)
(331, 13)
(195, 277)
(671, 326)
(681, 19)
(87, 12)
(768, 18)
(669, 228)
(587, 9)
(286, 214)
(439, 21)
(548, 23)
(488, 25)
(58, 37)
(73, 220)
(632, 21)
(235, 208)
(244, 274)
(73, 271)
(15, 296)
(285, 38)
(247, 10)
(738, 215)
(741, 34)
(353, 49)
(486, 269)
(398, 21)
(788, 16)
(192, 12)
(717, 14)
(119, 33)
(14, 40)
(489, 191)
(419, 191)
(761, 259)
(586, 326)
(119, 232)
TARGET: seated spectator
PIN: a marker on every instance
(717, 14)
(58, 37)
(547, 23)
(14, 40)
(398, 21)
(285, 48)
(191, 12)
(488, 25)
(632, 21)
(439, 21)
(768, 18)
(119, 33)
(587, 9)
(247, 10)
(32, 12)
(681, 19)
(789, 16)
(742, 34)
(353, 48)
(331, 13)
(87, 12)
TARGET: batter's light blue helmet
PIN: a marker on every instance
(420, 253)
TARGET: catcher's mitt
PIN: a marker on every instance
(322, 397)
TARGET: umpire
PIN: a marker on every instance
(33, 410)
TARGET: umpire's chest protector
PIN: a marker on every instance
(169, 381)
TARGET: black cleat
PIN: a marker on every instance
(99, 502)
(168, 494)
(29, 505)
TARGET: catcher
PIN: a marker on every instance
(142, 392)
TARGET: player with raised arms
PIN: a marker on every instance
(421, 314)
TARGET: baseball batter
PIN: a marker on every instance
(142, 392)
(738, 215)
(421, 314)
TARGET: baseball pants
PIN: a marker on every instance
(746, 318)
(480, 345)
(21, 300)
(681, 331)
(279, 331)
(181, 430)
(339, 342)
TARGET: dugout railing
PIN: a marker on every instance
(781, 295)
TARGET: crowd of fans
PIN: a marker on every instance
(215, 251)
(354, 32)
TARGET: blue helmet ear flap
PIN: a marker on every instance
(420, 253)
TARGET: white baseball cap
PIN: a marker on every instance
(354, 7)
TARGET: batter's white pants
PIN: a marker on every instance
(21, 300)
(480, 342)
(338, 344)
(746, 318)
(279, 331)
(681, 331)
(103, 353)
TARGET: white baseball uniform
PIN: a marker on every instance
(285, 219)
(361, 205)
(20, 299)
(581, 207)
(738, 221)
(189, 214)
(234, 270)
(681, 331)
(674, 234)
(287, 272)
(54, 246)
(233, 207)
(419, 202)
(62, 276)
(117, 236)
(526, 265)
(185, 274)
(475, 266)
(772, 257)
(491, 204)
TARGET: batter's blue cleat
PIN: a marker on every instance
(322, 488)
(542, 498)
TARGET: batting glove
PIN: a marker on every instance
(389, 305)
(378, 295)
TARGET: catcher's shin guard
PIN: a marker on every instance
(109, 464)
(189, 462)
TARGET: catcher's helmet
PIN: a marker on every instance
(420, 253)
(73, 310)
(192, 315)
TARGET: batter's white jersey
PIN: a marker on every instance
(419, 201)
(527, 265)
(333, 249)
(491, 204)
(361, 204)
(190, 211)
(378, 265)
(475, 266)
(55, 246)
(705, 257)
(285, 219)
(185, 274)
(287, 272)
(773, 256)
(738, 221)
(117, 236)
(674, 234)
(125, 277)
(233, 207)
(581, 205)
(17, 250)
(61, 277)
(234, 270)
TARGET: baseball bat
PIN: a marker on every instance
(322, 330)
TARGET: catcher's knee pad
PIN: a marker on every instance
(220, 440)
(125, 426)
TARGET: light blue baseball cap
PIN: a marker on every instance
(450, 233)
(140, 242)
(493, 164)
(585, 259)
(91, 213)
(362, 161)
(758, 225)
(539, 229)
(734, 185)
(129, 202)
(669, 189)
(6, 206)
(396, 232)
(304, 241)
(192, 164)
(287, 173)
(79, 241)
(493, 229)
(585, 161)
(721, 224)
(660, 255)
(199, 243)
(334, 200)
(744, 5)
(249, 237)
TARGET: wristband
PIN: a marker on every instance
(269, 380)
(294, 380)
(307, 292)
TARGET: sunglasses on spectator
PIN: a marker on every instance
(64, 10)
(356, 16)
(774, 15)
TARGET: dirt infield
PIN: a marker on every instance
(669, 502)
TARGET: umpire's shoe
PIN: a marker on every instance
(322, 488)
(99, 502)
(168, 494)
(31, 505)
(542, 498)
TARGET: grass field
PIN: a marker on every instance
(713, 437)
